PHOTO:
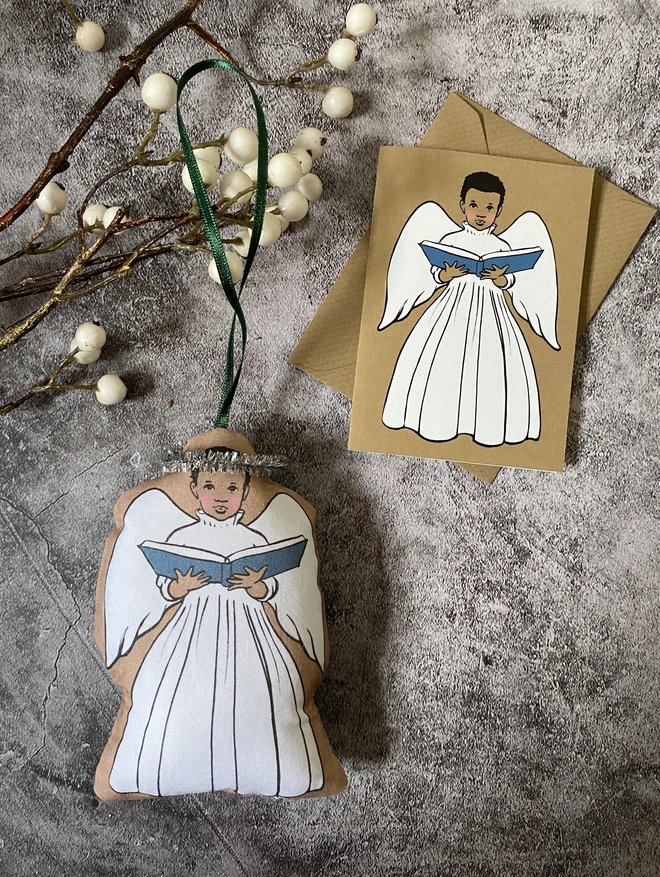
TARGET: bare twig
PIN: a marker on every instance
(292, 80)
(48, 382)
(19, 329)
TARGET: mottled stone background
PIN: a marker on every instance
(494, 688)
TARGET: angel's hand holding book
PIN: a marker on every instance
(185, 582)
(251, 581)
(449, 272)
(496, 274)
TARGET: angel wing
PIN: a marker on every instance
(534, 293)
(297, 601)
(133, 602)
(409, 279)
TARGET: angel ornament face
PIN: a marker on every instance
(466, 368)
(210, 619)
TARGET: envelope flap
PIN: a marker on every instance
(506, 139)
(458, 126)
(331, 339)
(618, 220)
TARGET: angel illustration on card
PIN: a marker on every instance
(218, 701)
(465, 368)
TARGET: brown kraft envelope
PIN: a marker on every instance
(328, 348)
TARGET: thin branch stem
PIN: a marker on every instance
(48, 383)
(22, 327)
(151, 133)
(72, 15)
(289, 81)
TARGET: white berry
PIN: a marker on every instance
(310, 186)
(304, 156)
(242, 248)
(159, 92)
(109, 215)
(361, 20)
(208, 153)
(337, 102)
(343, 54)
(284, 170)
(235, 267)
(208, 172)
(52, 199)
(270, 230)
(242, 146)
(313, 140)
(90, 36)
(234, 182)
(90, 336)
(93, 215)
(283, 222)
(85, 356)
(293, 205)
(110, 389)
(251, 169)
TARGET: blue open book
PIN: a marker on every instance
(517, 260)
(165, 558)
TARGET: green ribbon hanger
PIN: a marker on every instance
(232, 373)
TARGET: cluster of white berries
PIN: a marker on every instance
(98, 216)
(53, 199)
(88, 341)
(290, 171)
(344, 54)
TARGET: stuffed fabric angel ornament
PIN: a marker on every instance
(217, 676)
(209, 615)
(466, 368)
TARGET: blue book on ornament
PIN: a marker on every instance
(280, 557)
(517, 260)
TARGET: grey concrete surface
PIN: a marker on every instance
(494, 689)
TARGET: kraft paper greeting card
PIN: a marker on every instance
(328, 348)
(471, 308)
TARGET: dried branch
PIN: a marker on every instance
(48, 382)
(291, 80)
(19, 329)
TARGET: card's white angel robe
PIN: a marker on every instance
(466, 367)
(218, 701)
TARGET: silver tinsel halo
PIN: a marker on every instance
(175, 459)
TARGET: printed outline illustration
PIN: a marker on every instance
(196, 725)
(465, 367)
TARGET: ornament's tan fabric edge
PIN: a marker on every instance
(327, 350)
(124, 670)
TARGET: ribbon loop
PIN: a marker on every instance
(232, 373)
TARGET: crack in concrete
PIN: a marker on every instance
(53, 681)
(74, 477)
(71, 623)
(223, 840)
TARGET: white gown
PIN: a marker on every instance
(465, 367)
(218, 702)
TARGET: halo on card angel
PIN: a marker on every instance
(466, 368)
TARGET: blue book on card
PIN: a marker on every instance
(280, 557)
(517, 260)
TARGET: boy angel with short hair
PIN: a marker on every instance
(465, 367)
